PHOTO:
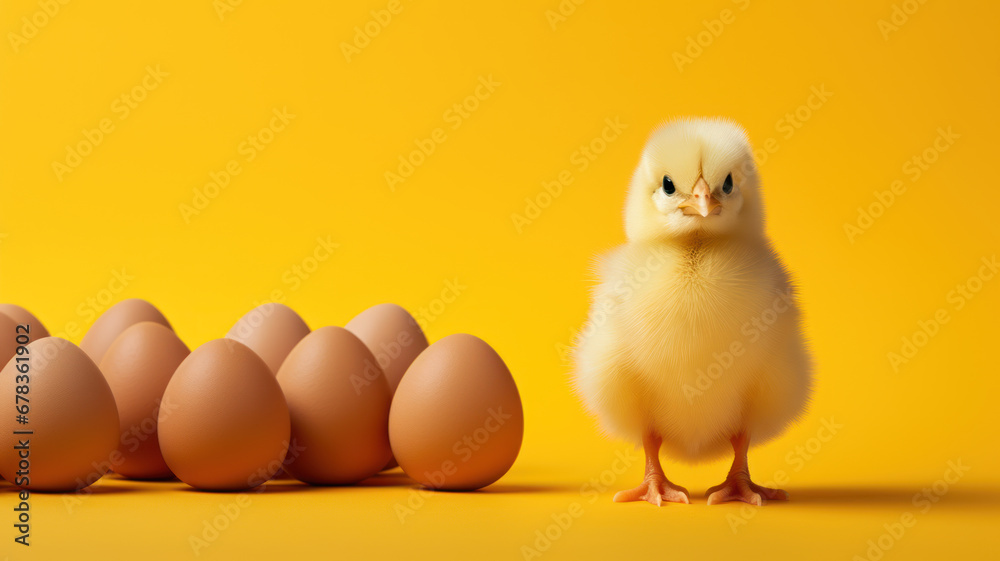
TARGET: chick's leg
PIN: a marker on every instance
(655, 487)
(737, 486)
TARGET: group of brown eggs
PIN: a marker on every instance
(331, 406)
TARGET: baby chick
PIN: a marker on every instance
(693, 342)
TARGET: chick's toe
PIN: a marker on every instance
(739, 487)
(656, 490)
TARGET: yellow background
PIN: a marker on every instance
(524, 292)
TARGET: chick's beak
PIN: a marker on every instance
(701, 202)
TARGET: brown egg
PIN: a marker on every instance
(271, 330)
(71, 413)
(456, 420)
(394, 337)
(339, 403)
(24, 317)
(228, 426)
(118, 318)
(138, 366)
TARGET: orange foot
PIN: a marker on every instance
(738, 487)
(655, 489)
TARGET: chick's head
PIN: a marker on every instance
(696, 176)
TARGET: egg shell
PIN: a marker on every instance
(339, 403)
(392, 335)
(138, 367)
(228, 427)
(456, 421)
(113, 322)
(24, 317)
(72, 415)
(272, 330)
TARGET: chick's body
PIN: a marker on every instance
(693, 338)
(686, 347)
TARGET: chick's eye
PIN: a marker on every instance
(727, 186)
(668, 185)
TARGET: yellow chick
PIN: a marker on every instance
(693, 343)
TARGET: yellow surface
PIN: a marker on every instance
(68, 237)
